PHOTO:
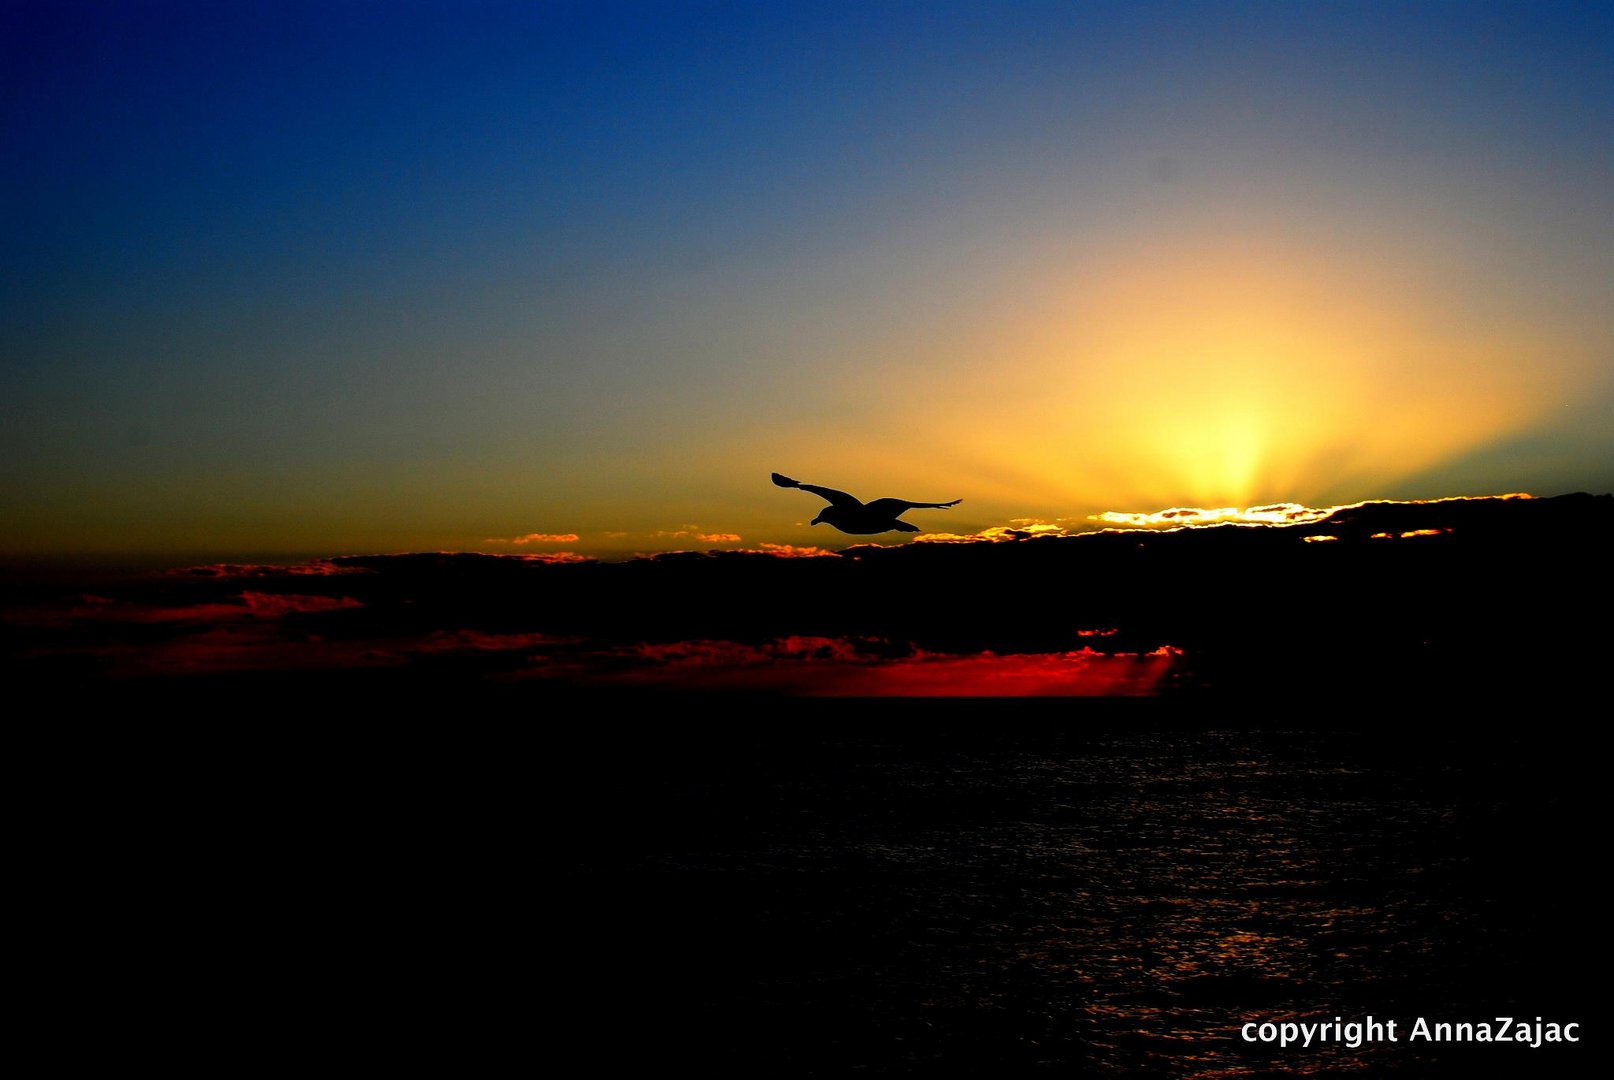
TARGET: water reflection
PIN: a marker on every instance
(1112, 905)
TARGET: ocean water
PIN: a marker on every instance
(1017, 892)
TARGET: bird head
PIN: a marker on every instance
(816, 520)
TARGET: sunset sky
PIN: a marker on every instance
(309, 279)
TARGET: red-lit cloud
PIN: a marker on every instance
(317, 568)
(451, 641)
(246, 606)
(1072, 674)
(721, 653)
(270, 605)
(832, 667)
(537, 538)
(235, 647)
(549, 557)
(490, 616)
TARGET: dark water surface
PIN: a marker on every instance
(995, 895)
(644, 885)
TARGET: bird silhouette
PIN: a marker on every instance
(852, 516)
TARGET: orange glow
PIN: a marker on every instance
(1228, 368)
(1246, 369)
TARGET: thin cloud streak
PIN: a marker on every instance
(536, 538)
(1277, 514)
(695, 532)
(316, 568)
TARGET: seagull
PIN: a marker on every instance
(851, 516)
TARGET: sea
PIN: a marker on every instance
(636, 886)
(1017, 892)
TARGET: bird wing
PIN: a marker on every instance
(836, 498)
(894, 507)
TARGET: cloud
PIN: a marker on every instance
(221, 648)
(317, 568)
(251, 605)
(694, 532)
(477, 641)
(272, 605)
(249, 632)
(935, 622)
(1405, 535)
(246, 606)
(778, 551)
(1178, 517)
(792, 647)
(536, 538)
(1070, 674)
(872, 667)
(793, 551)
(1023, 529)
(1029, 530)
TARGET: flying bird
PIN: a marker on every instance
(851, 516)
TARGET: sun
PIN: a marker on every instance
(1224, 371)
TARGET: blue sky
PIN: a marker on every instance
(311, 278)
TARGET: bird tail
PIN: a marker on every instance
(903, 526)
(785, 481)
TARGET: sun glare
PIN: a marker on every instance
(1226, 371)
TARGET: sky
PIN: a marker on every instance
(305, 279)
